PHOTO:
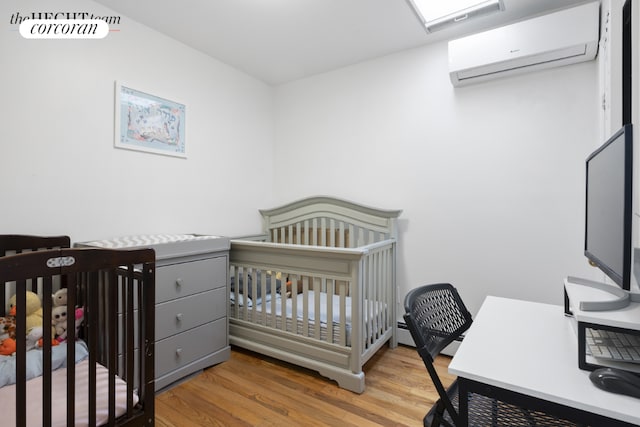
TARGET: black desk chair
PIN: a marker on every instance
(436, 316)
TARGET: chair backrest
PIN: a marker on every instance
(436, 316)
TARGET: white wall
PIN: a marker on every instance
(490, 177)
(59, 169)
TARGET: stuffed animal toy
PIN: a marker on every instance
(60, 297)
(33, 309)
(7, 327)
(8, 347)
(35, 339)
(79, 317)
(34, 335)
(59, 321)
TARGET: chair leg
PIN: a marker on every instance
(437, 418)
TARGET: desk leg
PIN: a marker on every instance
(463, 401)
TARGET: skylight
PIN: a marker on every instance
(436, 14)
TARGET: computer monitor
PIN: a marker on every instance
(609, 208)
(608, 220)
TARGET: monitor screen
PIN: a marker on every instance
(609, 207)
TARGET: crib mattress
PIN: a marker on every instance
(262, 316)
(263, 309)
(59, 398)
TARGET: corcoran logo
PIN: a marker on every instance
(64, 29)
(63, 25)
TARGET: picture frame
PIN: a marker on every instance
(149, 123)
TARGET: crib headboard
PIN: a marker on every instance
(329, 221)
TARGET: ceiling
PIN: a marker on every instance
(278, 41)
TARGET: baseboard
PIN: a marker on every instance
(404, 337)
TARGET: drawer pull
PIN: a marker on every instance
(178, 352)
(179, 317)
(179, 282)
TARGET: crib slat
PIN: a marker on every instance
(379, 294)
(332, 233)
(373, 302)
(316, 300)
(263, 307)
(254, 293)
(71, 353)
(94, 324)
(263, 291)
(294, 301)
(46, 352)
(384, 273)
(113, 343)
(331, 289)
(140, 318)
(343, 314)
(21, 362)
(323, 231)
(129, 336)
(366, 305)
(249, 275)
(274, 315)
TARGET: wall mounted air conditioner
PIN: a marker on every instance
(564, 37)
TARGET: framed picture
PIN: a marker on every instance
(147, 122)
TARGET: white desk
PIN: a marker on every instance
(504, 351)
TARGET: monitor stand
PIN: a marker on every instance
(622, 300)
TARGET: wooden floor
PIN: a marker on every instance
(251, 390)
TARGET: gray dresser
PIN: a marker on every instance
(192, 329)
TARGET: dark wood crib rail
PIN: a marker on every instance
(117, 290)
(11, 244)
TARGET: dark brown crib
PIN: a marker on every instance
(113, 385)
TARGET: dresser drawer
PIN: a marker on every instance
(188, 278)
(182, 314)
(184, 348)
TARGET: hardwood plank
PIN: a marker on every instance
(251, 390)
